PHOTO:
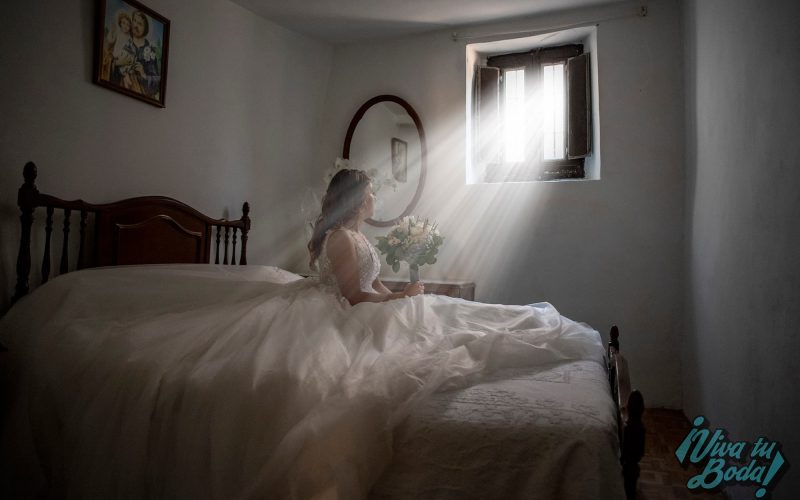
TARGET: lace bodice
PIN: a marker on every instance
(369, 262)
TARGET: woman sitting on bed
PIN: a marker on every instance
(346, 260)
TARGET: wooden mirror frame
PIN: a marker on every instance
(423, 156)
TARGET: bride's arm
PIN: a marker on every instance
(341, 252)
(417, 288)
(378, 286)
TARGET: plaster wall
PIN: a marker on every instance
(743, 173)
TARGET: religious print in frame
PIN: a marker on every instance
(130, 52)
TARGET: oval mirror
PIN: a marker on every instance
(385, 139)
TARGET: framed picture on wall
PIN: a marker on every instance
(399, 159)
(130, 50)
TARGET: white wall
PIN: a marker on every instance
(743, 173)
(604, 252)
(243, 105)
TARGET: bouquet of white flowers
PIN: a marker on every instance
(413, 240)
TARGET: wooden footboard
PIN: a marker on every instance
(630, 407)
(144, 230)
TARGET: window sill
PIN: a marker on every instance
(522, 172)
(531, 181)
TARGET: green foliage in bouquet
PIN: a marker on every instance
(413, 240)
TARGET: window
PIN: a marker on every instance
(531, 115)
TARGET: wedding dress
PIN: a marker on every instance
(211, 382)
(369, 262)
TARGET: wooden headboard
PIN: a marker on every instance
(144, 230)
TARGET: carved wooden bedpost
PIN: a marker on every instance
(633, 444)
(613, 349)
(614, 340)
(630, 406)
(245, 230)
(26, 200)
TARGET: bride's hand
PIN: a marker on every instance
(415, 288)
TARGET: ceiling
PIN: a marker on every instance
(344, 21)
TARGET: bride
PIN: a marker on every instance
(347, 261)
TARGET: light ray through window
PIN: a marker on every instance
(514, 119)
(554, 111)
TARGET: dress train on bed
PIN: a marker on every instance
(219, 384)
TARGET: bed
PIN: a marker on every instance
(564, 427)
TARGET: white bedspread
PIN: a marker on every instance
(544, 432)
(212, 382)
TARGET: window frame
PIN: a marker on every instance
(537, 169)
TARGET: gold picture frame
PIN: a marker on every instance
(131, 50)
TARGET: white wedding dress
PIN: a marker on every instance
(211, 382)
(369, 263)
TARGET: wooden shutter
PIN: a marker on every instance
(579, 133)
(488, 93)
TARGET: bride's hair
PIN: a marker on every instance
(343, 199)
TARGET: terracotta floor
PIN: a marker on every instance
(662, 477)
